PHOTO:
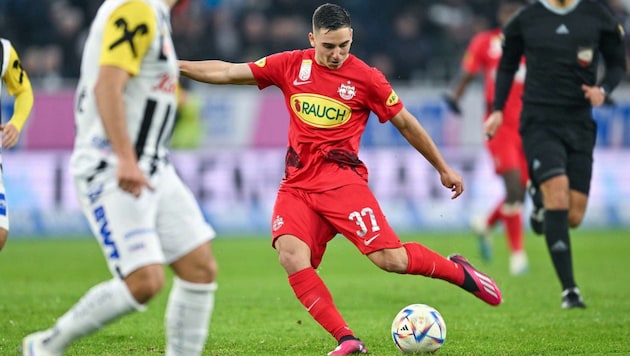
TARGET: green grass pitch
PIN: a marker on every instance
(257, 314)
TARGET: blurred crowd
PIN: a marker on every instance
(409, 40)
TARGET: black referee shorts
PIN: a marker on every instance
(559, 141)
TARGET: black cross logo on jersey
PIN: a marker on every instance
(128, 35)
(18, 65)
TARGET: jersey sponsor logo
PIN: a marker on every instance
(3, 205)
(105, 233)
(128, 35)
(320, 111)
(347, 91)
(167, 84)
(392, 99)
(585, 56)
(261, 62)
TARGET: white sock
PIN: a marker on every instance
(102, 304)
(188, 314)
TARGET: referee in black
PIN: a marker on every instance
(563, 42)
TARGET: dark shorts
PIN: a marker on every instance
(558, 141)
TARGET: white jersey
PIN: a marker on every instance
(134, 35)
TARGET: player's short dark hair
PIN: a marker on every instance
(331, 17)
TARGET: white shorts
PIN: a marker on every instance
(4, 208)
(160, 226)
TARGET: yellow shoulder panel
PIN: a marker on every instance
(15, 77)
(128, 35)
(18, 85)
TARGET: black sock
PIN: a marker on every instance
(559, 245)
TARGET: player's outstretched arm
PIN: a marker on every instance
(18, 85)
(217, 72)
(417, 136)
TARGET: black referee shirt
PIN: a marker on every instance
(561, 49)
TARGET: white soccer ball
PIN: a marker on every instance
(418, 328)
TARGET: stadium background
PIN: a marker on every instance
(235, 165)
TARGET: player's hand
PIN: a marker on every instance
(594, 94)
(492, 124)
(453, 181)
(10, 135)
(452, 104)
(130, 177)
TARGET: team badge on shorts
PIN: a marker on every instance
(277, 223)
(585, 56)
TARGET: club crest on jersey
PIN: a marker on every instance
(585, 56)
(320, 111)
(305, 69)
(347, 91)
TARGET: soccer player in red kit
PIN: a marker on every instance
(483, 55)
(329, 94)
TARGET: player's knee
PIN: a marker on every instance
(575, 219)
(293, 261)
(390, 260)
(145, 282)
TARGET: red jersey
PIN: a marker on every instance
(328, 112)
(483, 54)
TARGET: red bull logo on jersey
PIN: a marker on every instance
(320, 111)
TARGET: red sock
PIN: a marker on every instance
(514, 230)
(426, 262)
(495, 215)
(315, 296)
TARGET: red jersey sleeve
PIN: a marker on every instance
(474, 61)
(271, 70)
(383, 100)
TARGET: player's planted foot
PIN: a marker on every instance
(571, 298)
(479, 284)
(537, 217)
(349, 347)
(480, 228)
(33, 345)
(518, 263)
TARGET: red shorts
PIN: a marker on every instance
(506, 149)
(316, 218)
